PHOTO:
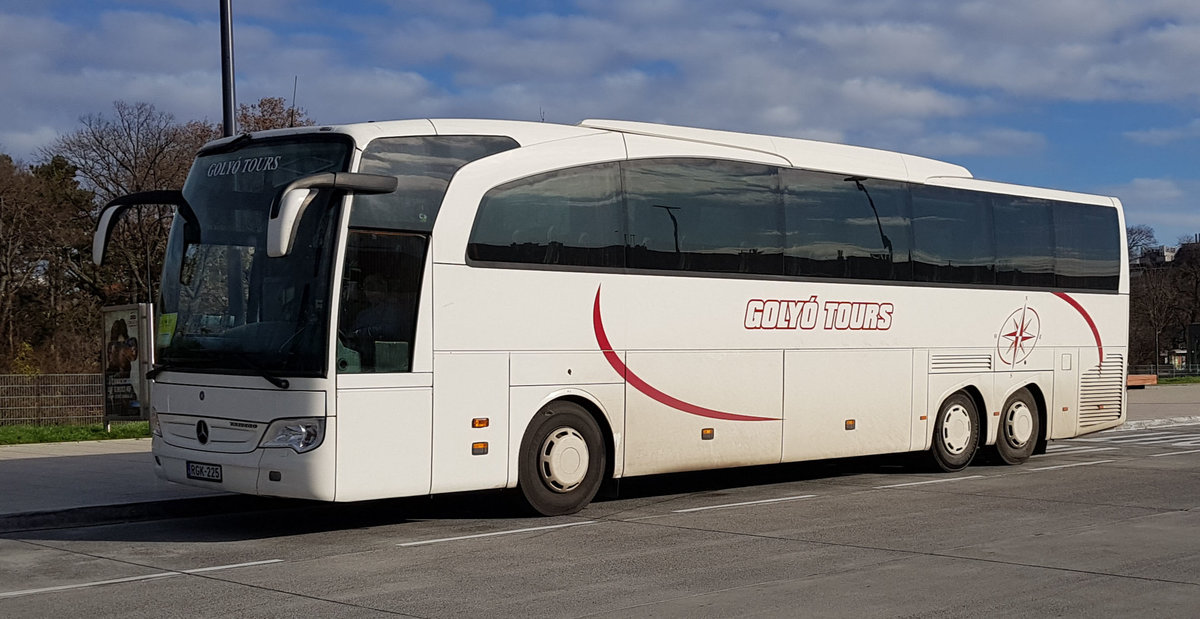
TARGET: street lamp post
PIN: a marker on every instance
(228, 96)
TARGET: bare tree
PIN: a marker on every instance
(270, 113)
(36, 232)
(1158, 309)
(136, 149)
(19, 251)
(1139, 238)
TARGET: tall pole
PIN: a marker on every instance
(228, 96)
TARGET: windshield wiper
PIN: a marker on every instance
(159, 369)
(282, 383)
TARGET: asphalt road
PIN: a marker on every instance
(1100, 526)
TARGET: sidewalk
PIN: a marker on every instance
(56, 484)
(49, 485)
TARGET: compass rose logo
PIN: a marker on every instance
(1019, 335)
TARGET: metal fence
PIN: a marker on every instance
(1165, 370)
(51, 399)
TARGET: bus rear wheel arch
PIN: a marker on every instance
(955, 433)
(1020, 427)
(563, 459)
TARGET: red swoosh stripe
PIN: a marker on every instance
(654, 394)
(1086, 317)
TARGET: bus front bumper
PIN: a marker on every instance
(279, 472)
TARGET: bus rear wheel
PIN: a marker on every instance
(955, 433)
(562, 459)
(1019, 429)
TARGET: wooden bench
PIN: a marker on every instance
(1139, 381)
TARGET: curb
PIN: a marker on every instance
(1143, 424)
(134, 512)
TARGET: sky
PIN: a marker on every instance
(1098, 96)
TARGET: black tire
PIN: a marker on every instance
(955, 433)
(562, 459)
(1020, 428)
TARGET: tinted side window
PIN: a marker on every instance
(1024, 241)
(1087, 251)
(569, 217)
(381, 285)
(952, 236)
(704, 215)
(424, 166)
(846, 227)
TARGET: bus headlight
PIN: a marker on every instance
(300, 434)
(155, 426)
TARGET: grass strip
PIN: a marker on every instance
(17, 435)
(1179, 380)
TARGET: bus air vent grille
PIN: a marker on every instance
(1102, 392)
(952, 363)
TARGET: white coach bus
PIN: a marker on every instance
(412, 307)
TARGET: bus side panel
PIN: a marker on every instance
(383, 442)
(847, 403)
(922, 424)
(526, 401)
(1009, 382)
(537, 378)
(677, 395)
(1065, 401)
(470, 386)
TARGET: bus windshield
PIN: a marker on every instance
(225, 307)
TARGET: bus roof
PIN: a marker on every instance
(799, 153)
(807, 154)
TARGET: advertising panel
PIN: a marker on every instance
(128, 353)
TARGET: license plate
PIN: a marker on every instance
(206, 472)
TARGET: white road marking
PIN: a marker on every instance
(13, 594)
(495, 533)
(1067, 466)
(744, 503)
(931, 481)
(1150, 440)
(1118, 438)
(1073, 450)
(1176, 453)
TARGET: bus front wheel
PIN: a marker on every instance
(955, 433)
(562, 459)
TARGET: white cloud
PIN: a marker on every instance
(989, 142)
(28, 140)
(1168, 205)
(893, 72)
(1151, 191)
(1162, 137)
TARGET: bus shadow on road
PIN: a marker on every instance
(243, 518)
(741, 477)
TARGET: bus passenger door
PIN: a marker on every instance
(384, 386)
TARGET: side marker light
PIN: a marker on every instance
(479, 449)
(707, 434)
(480, 422)
(849, 424)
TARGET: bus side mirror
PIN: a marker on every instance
(282, 227)
(297, 195)
(111, 213)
